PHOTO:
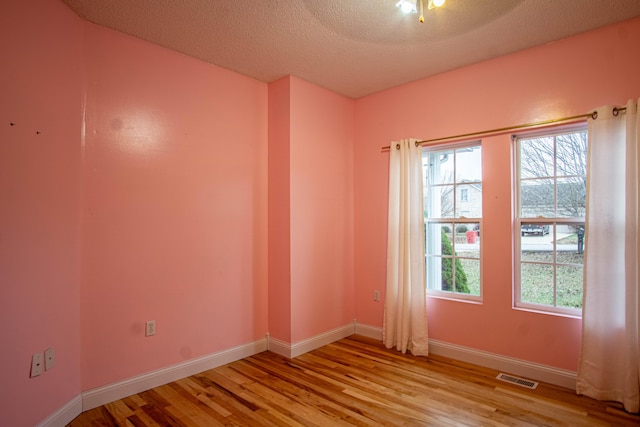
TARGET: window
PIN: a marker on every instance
(551, 200)
(452, 217)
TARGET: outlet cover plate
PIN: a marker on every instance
(150, 328)
(37, 362)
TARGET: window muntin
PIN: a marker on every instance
(551, 200)
(453, 213)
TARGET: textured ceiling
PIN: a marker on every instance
(353, 47)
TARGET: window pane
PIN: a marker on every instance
(571, 154)
(437, 242)
(469, 201)
(446, 201)
(536, 157)
(470, 249)
(471, 268)
(461, 235)
(434, 239)
(572, 194)
(446, 167)
(438, 167)
(438, 201)
(570, 243)
(468, 164)
(536, 283)
(467, 242)
(447, 275)
(433, 272)
(569, 283)
(536, 198)
(536, 243)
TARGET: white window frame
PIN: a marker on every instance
(552, 222)
(434, 274)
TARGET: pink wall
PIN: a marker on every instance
(280, 210)
(565, 78)
(322, 278)
(311, 286)
(175, 213)
(40, 91)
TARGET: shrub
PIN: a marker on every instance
(446, 229)
(461, 228)
(447, 279)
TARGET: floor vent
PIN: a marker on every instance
(518, 381)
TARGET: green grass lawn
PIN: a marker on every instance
(537, 279)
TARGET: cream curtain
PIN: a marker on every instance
(609, 359)
(405, 311)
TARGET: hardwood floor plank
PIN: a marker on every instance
(302, 395)
(397, 395)
(204, 397)
(324, 387)
(353, 382)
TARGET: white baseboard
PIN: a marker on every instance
(109, 393)
(374, 332)
(523, 368)
(294, 350)
(280, 347)
(65, 414)
(318, 341)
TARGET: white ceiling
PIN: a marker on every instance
(353, 47)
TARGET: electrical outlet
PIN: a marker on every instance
(150, 328)
(376, 295)
(37, 360)
(49, 358)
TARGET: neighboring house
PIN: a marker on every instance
(469, 200)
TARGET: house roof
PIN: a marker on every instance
(353, 47)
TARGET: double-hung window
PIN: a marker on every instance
(452, 217)
(551, 199)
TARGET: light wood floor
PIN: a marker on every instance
(355, 381)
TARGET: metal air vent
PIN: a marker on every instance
(518, 381)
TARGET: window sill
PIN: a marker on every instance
(531, 308)
(469, 299)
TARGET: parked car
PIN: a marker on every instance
(537, 229)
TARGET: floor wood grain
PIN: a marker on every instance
(353, 382)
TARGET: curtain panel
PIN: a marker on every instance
(405, 311)
(609, 365)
